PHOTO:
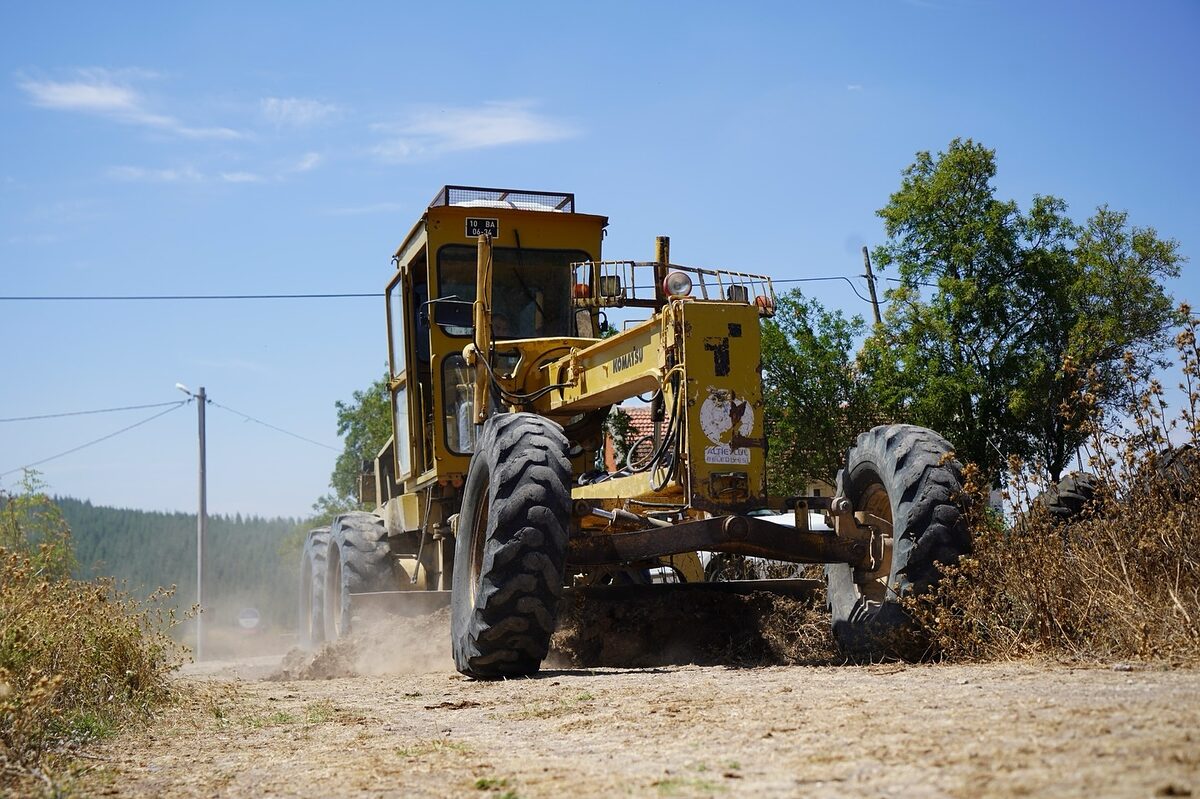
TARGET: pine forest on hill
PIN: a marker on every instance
(146, 550)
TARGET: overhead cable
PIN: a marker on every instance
(174, 406)
(86, 413)
(307, 296)
(133, 297)
(250, 418)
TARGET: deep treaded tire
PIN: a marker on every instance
(906, 475)
(311, 619)
(511, 547)
(1178, 470)
(1067, 499)
(359, 561)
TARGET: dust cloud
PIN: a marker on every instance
(695, 628)
(692, 628)
(377, 646)
(242, 624)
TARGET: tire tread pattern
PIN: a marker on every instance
(924, 483)
(312, 598)
(507, 633)
(361, 539)
(1069, 497)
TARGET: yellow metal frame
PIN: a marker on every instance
(702, 355)
(443, 225)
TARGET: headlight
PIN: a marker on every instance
(677, 284)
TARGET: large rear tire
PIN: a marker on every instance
(311, 627)
(1069, 497)
(1178, 471)
(359, 561)
(904, 478)
(511, 547)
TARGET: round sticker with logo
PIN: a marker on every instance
(721, 415)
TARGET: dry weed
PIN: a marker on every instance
(1121, 581)
(78, 660)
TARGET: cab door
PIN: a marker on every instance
(399, 311)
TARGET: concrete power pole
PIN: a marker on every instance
(201, 528)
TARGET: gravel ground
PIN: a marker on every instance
(1014, 729)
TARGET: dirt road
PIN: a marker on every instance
(888, 730)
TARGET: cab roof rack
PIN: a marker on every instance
(517, 199)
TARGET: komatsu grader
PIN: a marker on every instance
(509, 342)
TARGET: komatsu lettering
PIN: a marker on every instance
(623, 362)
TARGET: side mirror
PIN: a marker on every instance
(454, 313)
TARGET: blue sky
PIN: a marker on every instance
(167, 148)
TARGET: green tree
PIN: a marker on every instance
(365, 425)
(1000, 315)
(32, 525)
(619, 427)
(815, 399)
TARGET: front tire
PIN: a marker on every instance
(904, 478)
(511, 547)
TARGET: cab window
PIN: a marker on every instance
(531, 289)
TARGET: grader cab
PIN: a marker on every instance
(510, 339)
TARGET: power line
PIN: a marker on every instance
(853, 287)
(356, 295)
(174, 406)
(135, 297)
(310, 296)
(250, 418)
(86, 413)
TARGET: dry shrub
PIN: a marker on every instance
(77, 661)
(1121, 581)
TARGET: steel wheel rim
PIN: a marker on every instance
(876, 508)
(478, 539)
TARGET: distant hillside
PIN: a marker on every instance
(146, 550)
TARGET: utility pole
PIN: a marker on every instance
(870, 286)
(201, 529)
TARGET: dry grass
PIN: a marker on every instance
(1119, 582)
(78, 661)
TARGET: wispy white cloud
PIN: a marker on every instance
(189, 174)
(110, 94)
(854, 87)
(359, 210)
(241, 177)
(307, 162)
(297, 112)
(62, 220)
(183, 174)
(431, 132)
(139, 174)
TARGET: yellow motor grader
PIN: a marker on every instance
(505, 361)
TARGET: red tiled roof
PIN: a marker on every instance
(641, 425)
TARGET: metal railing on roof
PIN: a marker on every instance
(518, 199)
